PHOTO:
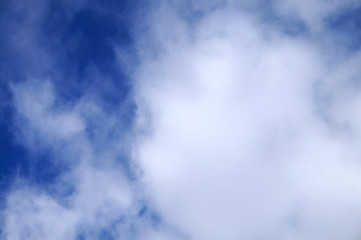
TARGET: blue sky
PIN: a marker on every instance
(199, 120)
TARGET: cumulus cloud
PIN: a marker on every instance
(252, 131)
(243, 129)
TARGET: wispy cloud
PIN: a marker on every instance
(93, 195)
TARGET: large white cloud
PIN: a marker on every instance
(251, 133)
(243, 132)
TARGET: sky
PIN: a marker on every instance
(181, 120)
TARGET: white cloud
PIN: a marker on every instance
(34, 103)
(100, 196)
(238, 147)
(243, 132)
(311, 12)
(37, 216)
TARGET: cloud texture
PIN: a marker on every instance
(254, 131)
(206, 120)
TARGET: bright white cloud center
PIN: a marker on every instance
(240, 145)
